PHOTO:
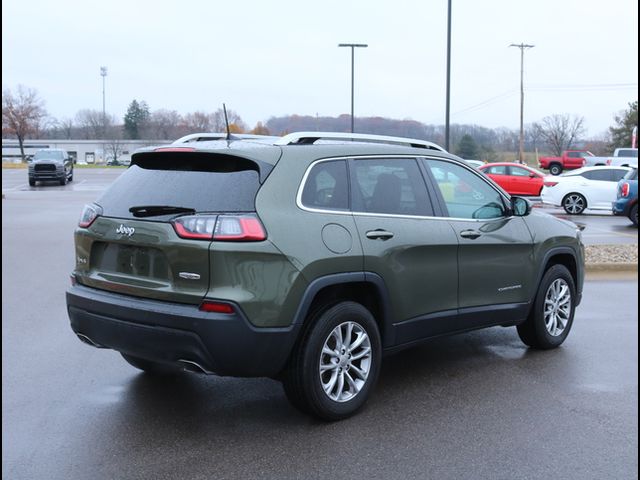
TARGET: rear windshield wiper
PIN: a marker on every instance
(156, 210)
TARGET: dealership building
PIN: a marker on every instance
(98, 152)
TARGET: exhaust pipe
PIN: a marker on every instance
(191, 366)
(84, 339)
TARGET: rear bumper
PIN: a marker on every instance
(621, 206)
(225, 344)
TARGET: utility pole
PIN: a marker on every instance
(522, 48)
(103, 73)
(446, 115)
(353, 46)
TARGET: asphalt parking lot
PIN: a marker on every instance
(474, 406)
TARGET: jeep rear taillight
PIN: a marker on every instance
(625, 189)
(234, 228)
(239, 228)
(196, 227)
(88, 215)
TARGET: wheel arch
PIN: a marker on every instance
(565, 256)
(365, 288)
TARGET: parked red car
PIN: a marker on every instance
(515, 178)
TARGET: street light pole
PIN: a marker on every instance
(522, 48)
(103, 73)
(353, 46)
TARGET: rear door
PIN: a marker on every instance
(133, 247)
(414, 253)
(601, 185)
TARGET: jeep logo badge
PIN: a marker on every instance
(128, 231)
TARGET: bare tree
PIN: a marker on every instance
(560, 131)
(92, 124)
(198, 122)
(236, 124)
(164, 125)
(66, 125)
(114, 146)
(22, 114)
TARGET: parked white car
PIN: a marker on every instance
(585, 188)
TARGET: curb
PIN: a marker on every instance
(611, 267)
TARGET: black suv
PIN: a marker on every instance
(51, 164)
(306, 261)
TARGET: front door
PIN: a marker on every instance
(495, 249)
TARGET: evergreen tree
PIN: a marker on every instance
(135, 118)
(621, 132)
(467, 148)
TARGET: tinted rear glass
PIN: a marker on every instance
(632, 175)
(189, 184)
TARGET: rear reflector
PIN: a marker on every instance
(216, 307)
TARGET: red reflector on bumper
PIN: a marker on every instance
(216, 307)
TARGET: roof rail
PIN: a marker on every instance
(309, 138)
(211, 136)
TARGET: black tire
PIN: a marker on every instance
(147, 366)
(302, 379)
(555, 169)
(574, 203)
(71, 176)
(534, 332)
(32, 182)
(63, 180)
(633, 215)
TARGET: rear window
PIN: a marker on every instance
(206, 183)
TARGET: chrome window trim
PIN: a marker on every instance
(349, 212)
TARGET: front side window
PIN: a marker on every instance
(326, 187)
(391, 186)
(465, 195)
(520, 172)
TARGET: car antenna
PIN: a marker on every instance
(226, 122)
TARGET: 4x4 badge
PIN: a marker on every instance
(128, 231)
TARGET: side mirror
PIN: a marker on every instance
(521, 207)
(532, 175)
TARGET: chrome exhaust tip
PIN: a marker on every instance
(84, 339)
(191, 366)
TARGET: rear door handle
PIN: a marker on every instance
(379, 234)
(472, 234)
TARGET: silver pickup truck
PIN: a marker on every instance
(622, 157)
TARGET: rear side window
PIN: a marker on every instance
(391, 186)
(206, 183)
(603, 175)
(327, 186)
(496, 170)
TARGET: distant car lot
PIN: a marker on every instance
(602, 227)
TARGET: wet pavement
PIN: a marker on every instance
(474, 406)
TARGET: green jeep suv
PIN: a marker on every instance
(308, 257)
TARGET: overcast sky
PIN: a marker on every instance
(272, 58)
